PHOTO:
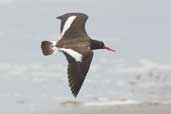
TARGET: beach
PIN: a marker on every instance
(136, 79)
(144, 108)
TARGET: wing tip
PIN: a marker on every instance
(74, 92)
(75, 95)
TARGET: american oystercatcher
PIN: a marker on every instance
(77, 47)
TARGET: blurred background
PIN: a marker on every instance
(140, 69)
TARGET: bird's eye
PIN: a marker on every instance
(102, 44)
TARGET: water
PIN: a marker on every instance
(138, 72)
(42, 87)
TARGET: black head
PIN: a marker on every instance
(99, 45)
(96, 44)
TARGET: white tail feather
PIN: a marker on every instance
(56, 49)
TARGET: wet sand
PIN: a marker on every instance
(145, 108)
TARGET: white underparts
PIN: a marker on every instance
(67, 24)
(77, 56)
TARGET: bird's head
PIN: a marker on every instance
(99, 45)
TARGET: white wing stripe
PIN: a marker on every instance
(77, 56)
(67, 24)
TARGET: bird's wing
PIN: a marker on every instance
(73, 25)
(77, 70)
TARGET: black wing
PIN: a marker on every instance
(77, 70)
(77, 28)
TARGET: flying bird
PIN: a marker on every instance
(77, 47)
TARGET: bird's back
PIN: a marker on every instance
(82, 42)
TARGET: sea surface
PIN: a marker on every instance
(139, 71)
(38, 88)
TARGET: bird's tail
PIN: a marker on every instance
(48, 47)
